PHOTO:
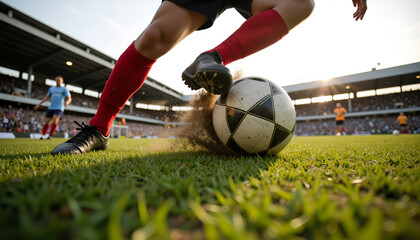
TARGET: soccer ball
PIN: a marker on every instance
(254, 117)
(396, 132)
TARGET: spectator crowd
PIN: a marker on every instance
(24, 119)
(378, 124)
(379, 102)
(18, 119)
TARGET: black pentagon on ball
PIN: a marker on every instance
(279, 135)
(233, 118)
(233, 146)
(263, 109)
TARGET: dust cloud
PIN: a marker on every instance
(197, 131)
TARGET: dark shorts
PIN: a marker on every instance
(403, 125)
(339, 122)
(51, 112)
(213, 8)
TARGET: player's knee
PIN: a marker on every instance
(150, 39)
(295, 11)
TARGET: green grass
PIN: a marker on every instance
(352, 187)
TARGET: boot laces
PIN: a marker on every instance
(86, 132)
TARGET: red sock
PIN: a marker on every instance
(343, 130)
(255, 34)
(53, 127)
(45, 129)
(126, 78)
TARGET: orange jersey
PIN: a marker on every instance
(339, 113)
(402, 119)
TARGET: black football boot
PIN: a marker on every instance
(208, 72)
(89, 138)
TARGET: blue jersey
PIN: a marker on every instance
(57, 95)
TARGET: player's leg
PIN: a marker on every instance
(48, 117)
(46, 125)
(271, 20)
(339, 127)
(54, 123)
(404, 129)
(292, 12)
(170, 25)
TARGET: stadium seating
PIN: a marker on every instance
(380, 102)
(380, 124)
(376, 124)
(18, 119)
(23, 119)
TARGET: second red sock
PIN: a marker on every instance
(255, 34)
(53, 127)
(45, 129)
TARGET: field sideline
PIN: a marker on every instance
(349, 187)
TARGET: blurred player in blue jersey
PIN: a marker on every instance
(59, 97)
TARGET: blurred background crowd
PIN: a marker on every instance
(16, 117)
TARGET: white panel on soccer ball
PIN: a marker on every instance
(253, 90)
(285, 114)
(219, 123)
(254, 134)
(276, 149)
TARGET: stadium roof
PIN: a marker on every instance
(375, 79)
(26, 42)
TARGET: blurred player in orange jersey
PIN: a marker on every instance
(339, 112)
(402, 120)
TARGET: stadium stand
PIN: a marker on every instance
(23, 119)
(391, 91)
(381, 102)
(401, 101)
(358, 125)
(16, 87)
